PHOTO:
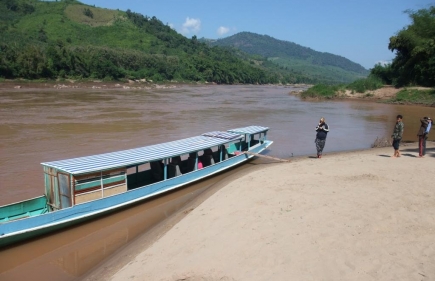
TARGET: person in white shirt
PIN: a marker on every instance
(426, 133)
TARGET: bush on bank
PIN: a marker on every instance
(415, 96)
(368, 84)
(323, 91)
(330, 91)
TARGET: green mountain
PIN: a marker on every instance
(68, 39)
(319, 66)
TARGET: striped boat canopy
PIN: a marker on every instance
(137, 156)
(249, 130)
(222, 135)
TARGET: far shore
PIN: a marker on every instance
(359, 215)
(385, 94)
(140, 84)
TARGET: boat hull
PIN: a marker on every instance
(19, 230)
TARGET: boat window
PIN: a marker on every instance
(98, 185)
(191, 162)
(157, 170)
(255, 139)
(223, 152)
(138, 168)
(179, 165)
(64, 190)
(138, 176)
(174, 167)
(97, 176)
(208, 157)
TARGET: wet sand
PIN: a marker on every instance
(359, 215)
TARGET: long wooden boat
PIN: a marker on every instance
(82, 188)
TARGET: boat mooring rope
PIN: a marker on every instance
(265, 156)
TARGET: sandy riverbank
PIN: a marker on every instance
(348, 216)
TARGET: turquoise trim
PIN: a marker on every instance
(165, 170)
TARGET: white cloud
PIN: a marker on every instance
(222, 30)
(191, 26)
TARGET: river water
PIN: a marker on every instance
(52, 125)
(46, 125)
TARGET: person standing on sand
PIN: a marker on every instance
(426, 134)
(322, 131)
(397, 135)
(422, 137)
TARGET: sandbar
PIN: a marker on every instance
(359, 215)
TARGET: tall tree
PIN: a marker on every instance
(415, 50)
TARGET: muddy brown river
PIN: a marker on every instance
(47, 125)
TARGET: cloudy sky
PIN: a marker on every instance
(356, 29)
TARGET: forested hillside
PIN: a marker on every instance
(325, 67)
(67, 39)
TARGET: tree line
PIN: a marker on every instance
(414, 45)
(58, 60)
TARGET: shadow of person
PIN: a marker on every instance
(431, 149)
(409, 155)
(410, 150)
(383, 155)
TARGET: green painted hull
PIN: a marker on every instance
(24, 209)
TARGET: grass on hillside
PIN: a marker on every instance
(68, 23)
(415, 96)
(101, 17)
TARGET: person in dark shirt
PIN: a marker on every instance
(322, 131)
(397, 135)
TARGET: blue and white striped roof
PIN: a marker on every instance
(131, 157)
(249, 130)
(222, 135)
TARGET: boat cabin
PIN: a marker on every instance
(75, 181)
